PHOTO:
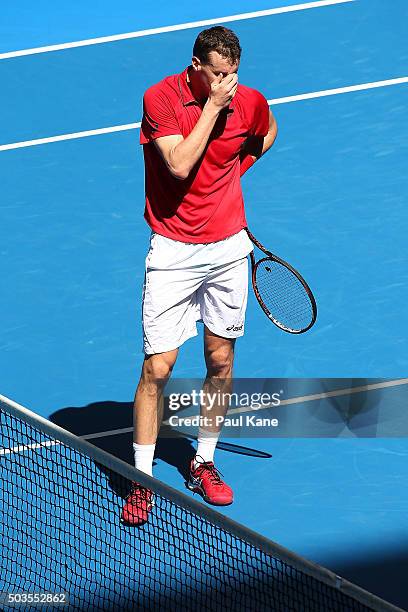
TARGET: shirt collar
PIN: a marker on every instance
(186, 93)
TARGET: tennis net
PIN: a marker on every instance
(60, 505)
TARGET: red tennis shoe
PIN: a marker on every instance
(138, 506)
(205, 480)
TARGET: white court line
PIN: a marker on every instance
(339, 90)
(173, 28)
(318, 396)
(293, 400)
(133, 126)
(21, 449)
(40, 141)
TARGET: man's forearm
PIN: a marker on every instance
(270, 137)
(186, 153)
(255, 147)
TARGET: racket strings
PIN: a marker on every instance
(283, 295)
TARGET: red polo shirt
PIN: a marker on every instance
(207, 206)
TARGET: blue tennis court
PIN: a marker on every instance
(329, 197)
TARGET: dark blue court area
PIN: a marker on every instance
(330, 197)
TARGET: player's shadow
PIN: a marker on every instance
(109, 426)
(356, 412)
(328, 408)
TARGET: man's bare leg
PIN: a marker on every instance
(219, 358)
(148, 412)
(204, 478)
(148, 406)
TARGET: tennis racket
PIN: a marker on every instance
(282, 292)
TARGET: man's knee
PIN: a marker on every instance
(158, 368)
(220, 361)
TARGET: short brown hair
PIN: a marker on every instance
(219, 39)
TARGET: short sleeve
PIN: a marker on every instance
(259, 115)
(159, 118)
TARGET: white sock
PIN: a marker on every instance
(144, 454)
(207, 441)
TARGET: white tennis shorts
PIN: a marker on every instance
(187, 283)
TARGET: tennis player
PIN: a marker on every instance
(201, 130)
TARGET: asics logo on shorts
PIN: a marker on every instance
(235, 327)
